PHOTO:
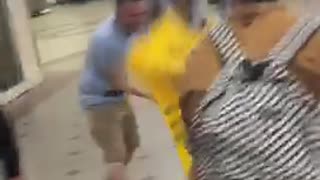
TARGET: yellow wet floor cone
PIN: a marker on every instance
(154, 60)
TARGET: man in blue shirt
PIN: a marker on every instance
(104, 88)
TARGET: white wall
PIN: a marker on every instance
(304, 6)
(51, 1)
(312, 5)
(19, 20)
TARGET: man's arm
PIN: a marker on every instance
(107, 59)
(119, 81)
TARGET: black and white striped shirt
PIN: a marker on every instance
(257, 121)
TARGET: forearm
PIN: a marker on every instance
(123, 86)
(136, 92)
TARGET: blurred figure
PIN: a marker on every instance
(104, 89)
(9, 154)
(157, 8)
(193, 11)
(250, 97)
(199, 13)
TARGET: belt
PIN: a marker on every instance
(114, 93)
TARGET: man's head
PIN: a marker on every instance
(132, 14)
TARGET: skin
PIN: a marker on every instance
(132, 15)
(248, 22)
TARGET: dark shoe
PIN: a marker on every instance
(41, 13)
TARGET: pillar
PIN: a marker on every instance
(22, 58)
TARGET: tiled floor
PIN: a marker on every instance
(67, 29)
(55, 142)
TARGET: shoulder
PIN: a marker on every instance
(101, 44)
(307, 64)
(104, 34)
(202, 67)
(309, 56)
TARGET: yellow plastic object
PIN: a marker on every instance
(155, 59)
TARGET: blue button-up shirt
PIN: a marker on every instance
(107, 50)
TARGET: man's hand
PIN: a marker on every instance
(138, 93)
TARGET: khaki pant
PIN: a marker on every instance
(114, 129)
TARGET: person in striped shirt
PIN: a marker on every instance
(250, 95)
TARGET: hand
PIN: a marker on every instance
(148, 96)
(138, 93)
